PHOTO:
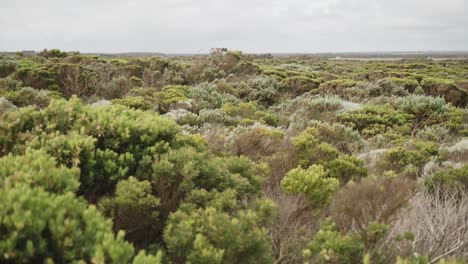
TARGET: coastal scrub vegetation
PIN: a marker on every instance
(232, 158)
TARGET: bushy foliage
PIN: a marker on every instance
(445, 88)
(230, 158)
(112, 142)
(27, 96)
(359, 204)
(6, 106)
(311, 150)
(345, 168)
(207, 96)
(170, 95)
(301, 111)
(373, 120)
(39, 226)
(212, 236)
(343, 138)
(116, 88)
(266, 91)
(408, 159)
(451, 180)
(7, 67)
(312, 182)
(298, 85)
(37, 169)
(330, 246)
(133, 207)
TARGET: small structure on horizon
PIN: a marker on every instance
(28, 53)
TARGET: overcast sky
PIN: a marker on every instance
(191, 26)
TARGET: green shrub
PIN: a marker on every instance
(330, 246)
(9, 84)
(410, 84)
(256, 142)
(343, 138)
(116, 88)
(451, 180)
(211, 236)
(265, 90)
(36, 76)
(425, 109)
(135, 102)
(6, 106)
(375, 119)
(134, 208)
(445, 88)
(37, 169)
(345, 168)
(410, 159)
(302, 110)
(112, 143)
(312, 182)
(207, 96)
(37, 226)
(169, 95)
(142, 258)
(28, 96)
(310, 150)
(53, 53)
(298, 85)
(7, 67)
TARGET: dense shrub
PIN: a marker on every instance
(122, 139)
(408, 159)
(7, 67)
(27, 96)
(256, 142)
(371, 200)
(182, 154)
(6, 106)
(410, 84)
(445, 88)
(451, 180)
(37, 169)
(36, 75)
(331, 246)
(135, 102)
(53, 53)
(134, 208)
(345, 168)
(373, 120)
(114, 89)
(207, 96)
(265, 90)
(298, 85)
(311, 150)
(425, 109)
(9, 84)
(39, 226)
(301, 110)
(212, 236)
(312, 182)
(341, 137)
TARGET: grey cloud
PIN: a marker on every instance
(249, 25)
